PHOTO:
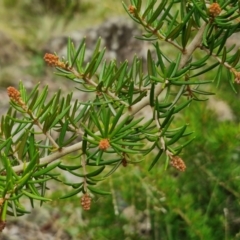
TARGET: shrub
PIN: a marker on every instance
(132, 114)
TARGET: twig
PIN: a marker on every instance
(196, 42)
(131, 110)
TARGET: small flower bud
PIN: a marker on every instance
(104, 144)
(214, 9)
(86, 202)
(131, 9)
(13, 93)
(237, 79)
(53, 60)
(15, 96)
(178, 163)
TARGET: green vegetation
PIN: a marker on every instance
(122, 156)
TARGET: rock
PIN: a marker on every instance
(117, 35)
(40, 224)
(221, 109)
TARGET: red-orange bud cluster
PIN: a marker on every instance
(15, 95)
(131, 9)
(104, 144)
(214, 9)
(86, 201)
(237, 79)
(53, 60)
(178, 163)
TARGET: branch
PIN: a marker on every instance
(46, 160)
(78, 146)
(228, 66)
(90, 82)
(196, 42)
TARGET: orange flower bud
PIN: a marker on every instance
(53, 60)
(104, 144)
(86, 202)
(131, 9)
(237, 79)
(15, 95)
(178, 163)
(214, 9)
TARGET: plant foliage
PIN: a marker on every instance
(111, 129)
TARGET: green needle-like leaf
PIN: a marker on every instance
(95, 173)
(72, 193)
(45, 170)
(98, 191)
(157, 157)
(157, 12)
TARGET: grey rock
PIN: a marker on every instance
(117, 35)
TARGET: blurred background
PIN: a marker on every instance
(201, 203)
